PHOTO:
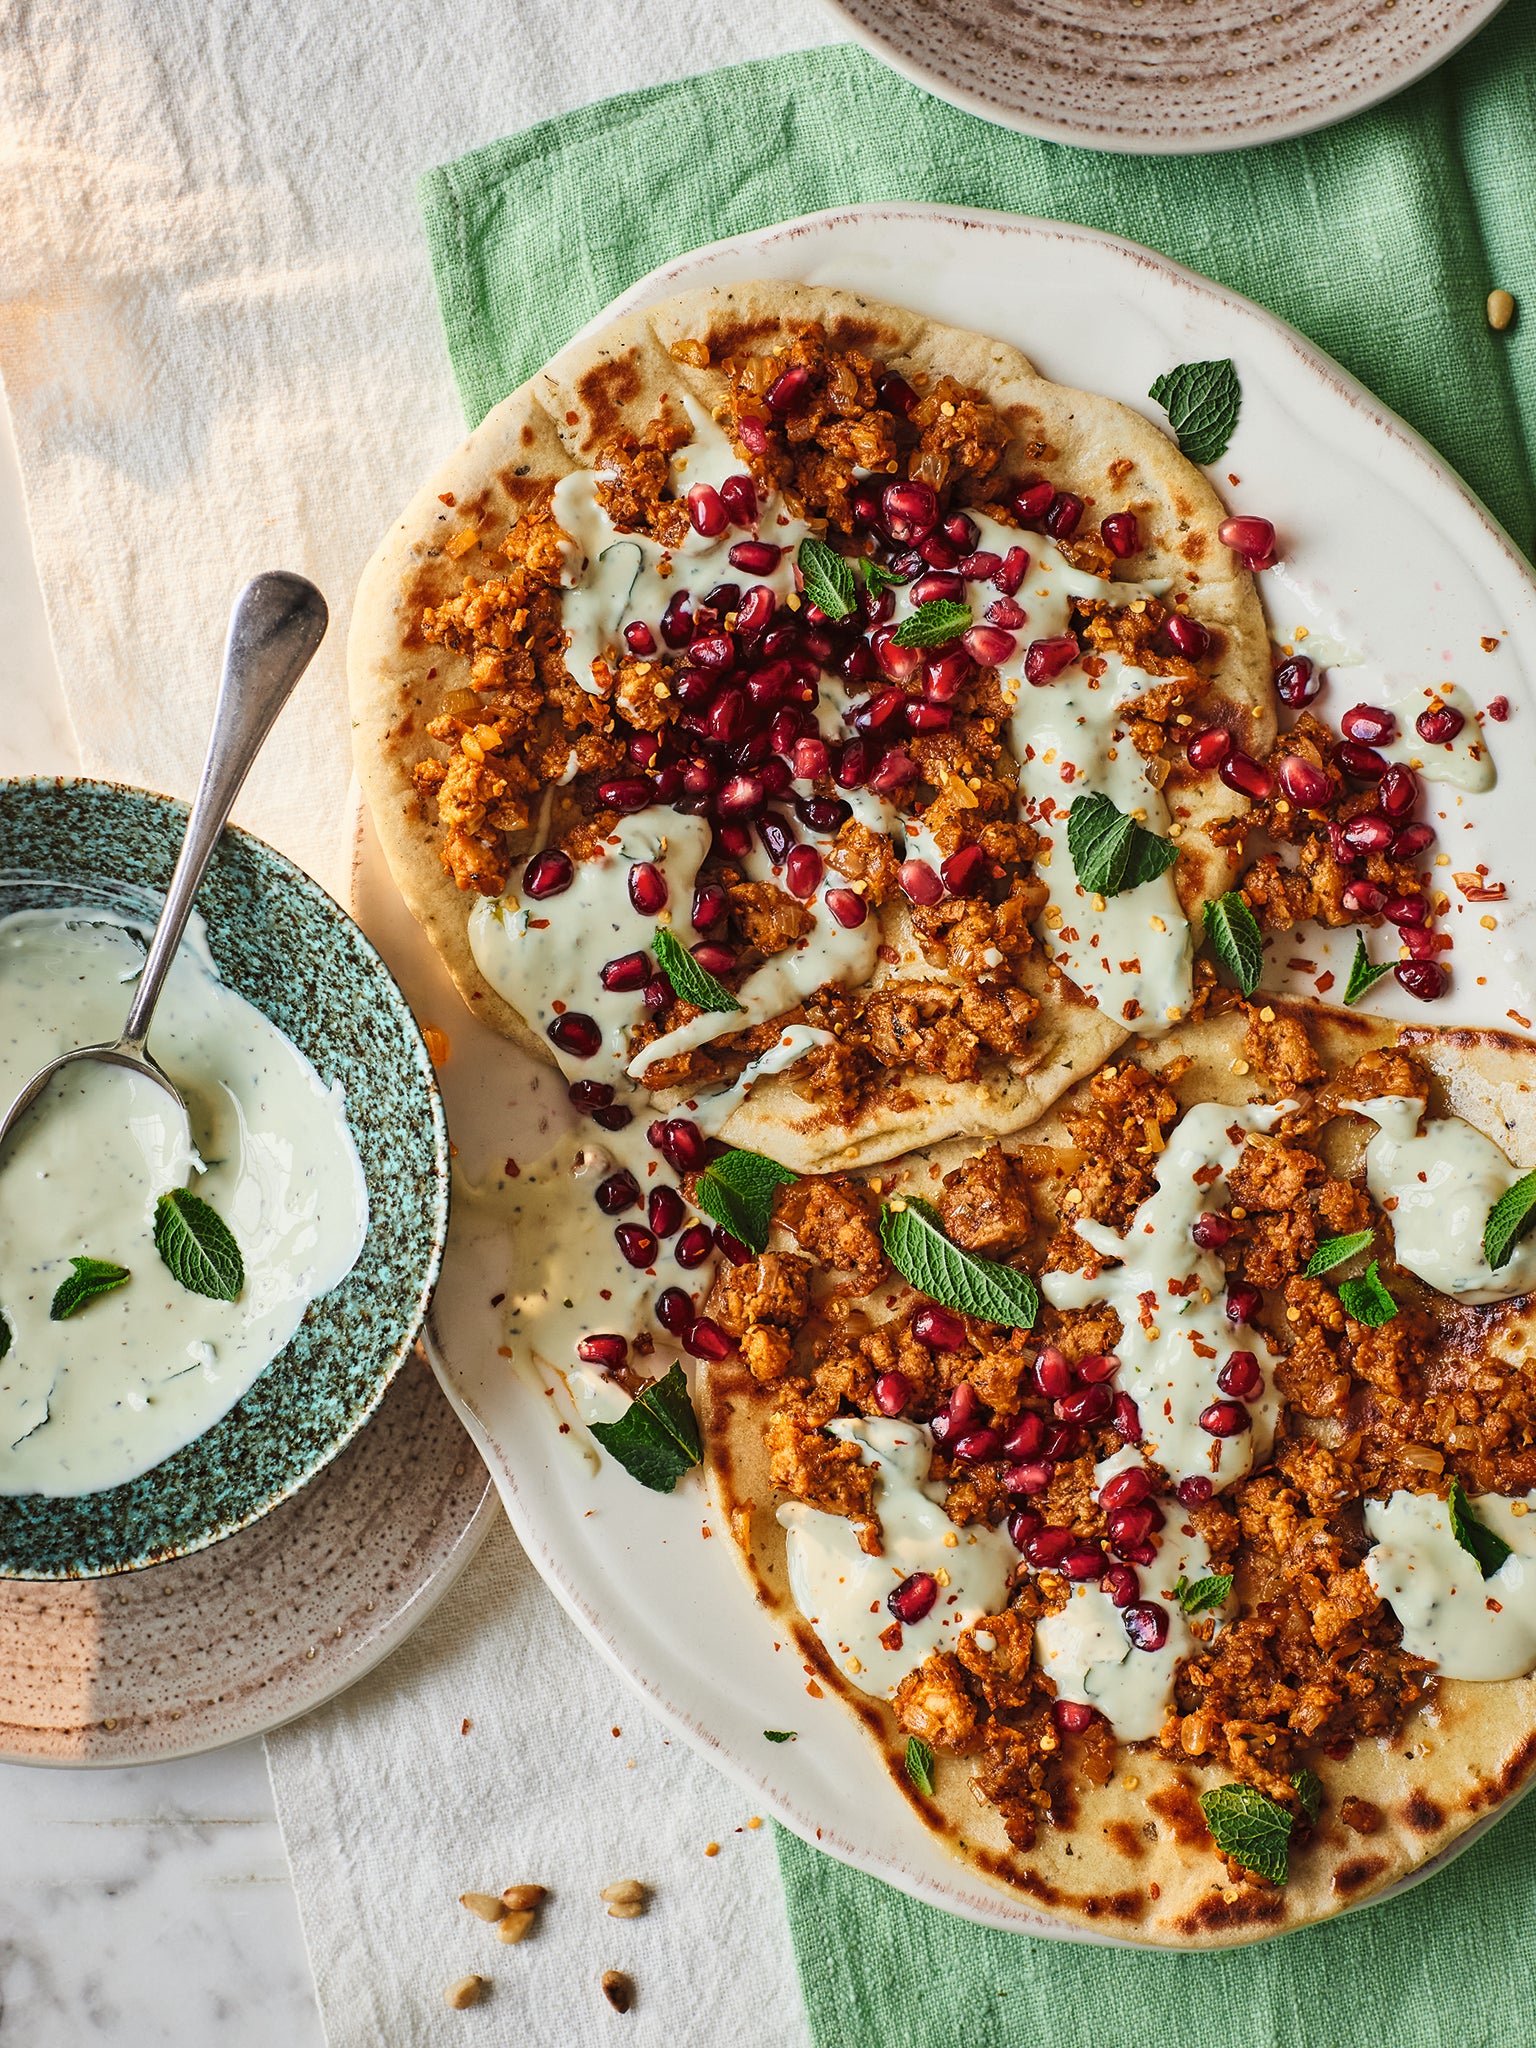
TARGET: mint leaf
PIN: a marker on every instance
(780, 1734)
(916, 1245)
(1333, 1251)
(827, 577)
(920, 1764)
(198, 1246)
(1111, 852)
(1202, 401)
(1251, 1828)
(1195, 1597)
(657, 1439)
(1367, 1300)
(933, 624)
(877, 577)
(1233, 931)
(1309, 1790)
(90, 1278)
(1508, 1220)
(1362, 975)
(738, 1190)
(695, 984)
(1475, 1538)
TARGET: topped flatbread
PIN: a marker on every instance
(722, 702)
(1205, 1607)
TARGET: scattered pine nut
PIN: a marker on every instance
(618, 1990)
(630, 1912)
(523, 1898)
(1501, 310)
(467, 1991)
(514, 1926)
(625, 1900)
(482, 1905)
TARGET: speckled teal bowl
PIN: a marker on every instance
(286, 946)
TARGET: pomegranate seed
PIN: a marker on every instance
(620, 1191)
(647, 888)
(1192, 1492)
(1120, 1583)
(1253, 539)
(1026, 1435)
(1127, 1489)
(1083, 1561)
(1033, 1476)
(896, 662)
(776, 837)
(1240, 1376)
(1441, 722)
(809, 759)
(577, 1034)
(757, 558)
(664, 1211)
(629, 971)
(677, 620)
(617, 1117)
(644, 749)
(1122, 531)
(1045, 659)
(1085, 1404)
(988, 645)
(1422, 978)
(981, 566)
(1406, 910)
(913, 1598)
(589, 1095)
(740, 796)
(1031, 502)
(1146, 1623)
(1365, 899)
(1297, 682)
(961, 531)
(1127, 1419)
(707, 1340)
(1243, 1302)
(639, 638)
(549, 873)
(659, 993)
(674, 1311)
(1368, 723)
(1015, 568)
(1412, 840)
(1224, 1418)
(1498, 709)
(709, 905)
(626, 793)
(1399, 791)
(1004, 612)
(725, 717)
(733, 1248)
(849, 909)
(1071, 1716)
(978, 1445)
(1062, 1440)
(753, 435)
(637, 1244)
(895, 771)
(938, 586)
(1053, 1376)
(609, 1350)
(1209, 748)
(694, 1246)
(706, 511)
(790, 392)
(945, 675)
(964, 1410)
(895, 393)
(713, 651)
(1048, 1546)
(1303, 783)
(684, 1146)
(930, 717)
(1097, 1366)
(1064, 516)
(802, 871)
(1359, 762)
(939, 1328)
(962, 869)
(713, 957)
(910, 509)
(893, 1390)
(1188, 636)
(1131, 1526)
(1369, 833)
(1421, 944)
(1250, 778)
(1210, 1230)
(757, 608)
(878, 710)
(738, 494)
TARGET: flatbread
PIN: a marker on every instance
(621, 377)
(1133, 1858)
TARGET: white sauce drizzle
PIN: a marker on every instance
(104, 1395)
(1464, 762)
(1175, 1343)
(1470, 1626)
(712, 1112)
(842, 1592)
(1438, 1188)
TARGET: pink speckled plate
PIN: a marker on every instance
(1165, 77)
(239, 1638)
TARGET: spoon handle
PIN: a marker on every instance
(278, 621)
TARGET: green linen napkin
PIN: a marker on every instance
(1380, 239)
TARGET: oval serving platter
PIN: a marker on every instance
(1362, 505)
(290, 949)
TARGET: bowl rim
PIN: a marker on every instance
(292, 876)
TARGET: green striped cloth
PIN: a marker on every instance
(1380, 239)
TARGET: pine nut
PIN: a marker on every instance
(514, 1926)
(1501, 310)
(467, 1991)
(629, 1891)
(618, 1990)
(482, 1905)
(523, 1898)
(631, 1912)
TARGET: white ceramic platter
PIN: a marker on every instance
(1385, 553)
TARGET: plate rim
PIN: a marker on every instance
(1262, 134)
(683, 271)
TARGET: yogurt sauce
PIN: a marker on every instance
(1470, 1626)
(842, 1591)
(1438, 1187)
(97, 1399)
(1168, 1294)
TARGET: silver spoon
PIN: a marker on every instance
(277, 623)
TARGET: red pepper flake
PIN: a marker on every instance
(465, 1726)
(815, 1690)
(1324, 983)
(1523, 1022)
(447, 498)
(511, 1169)
(1303, 966)
(1489, 644)
(890, 1638)
(558, 1007)
(1498, 710)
